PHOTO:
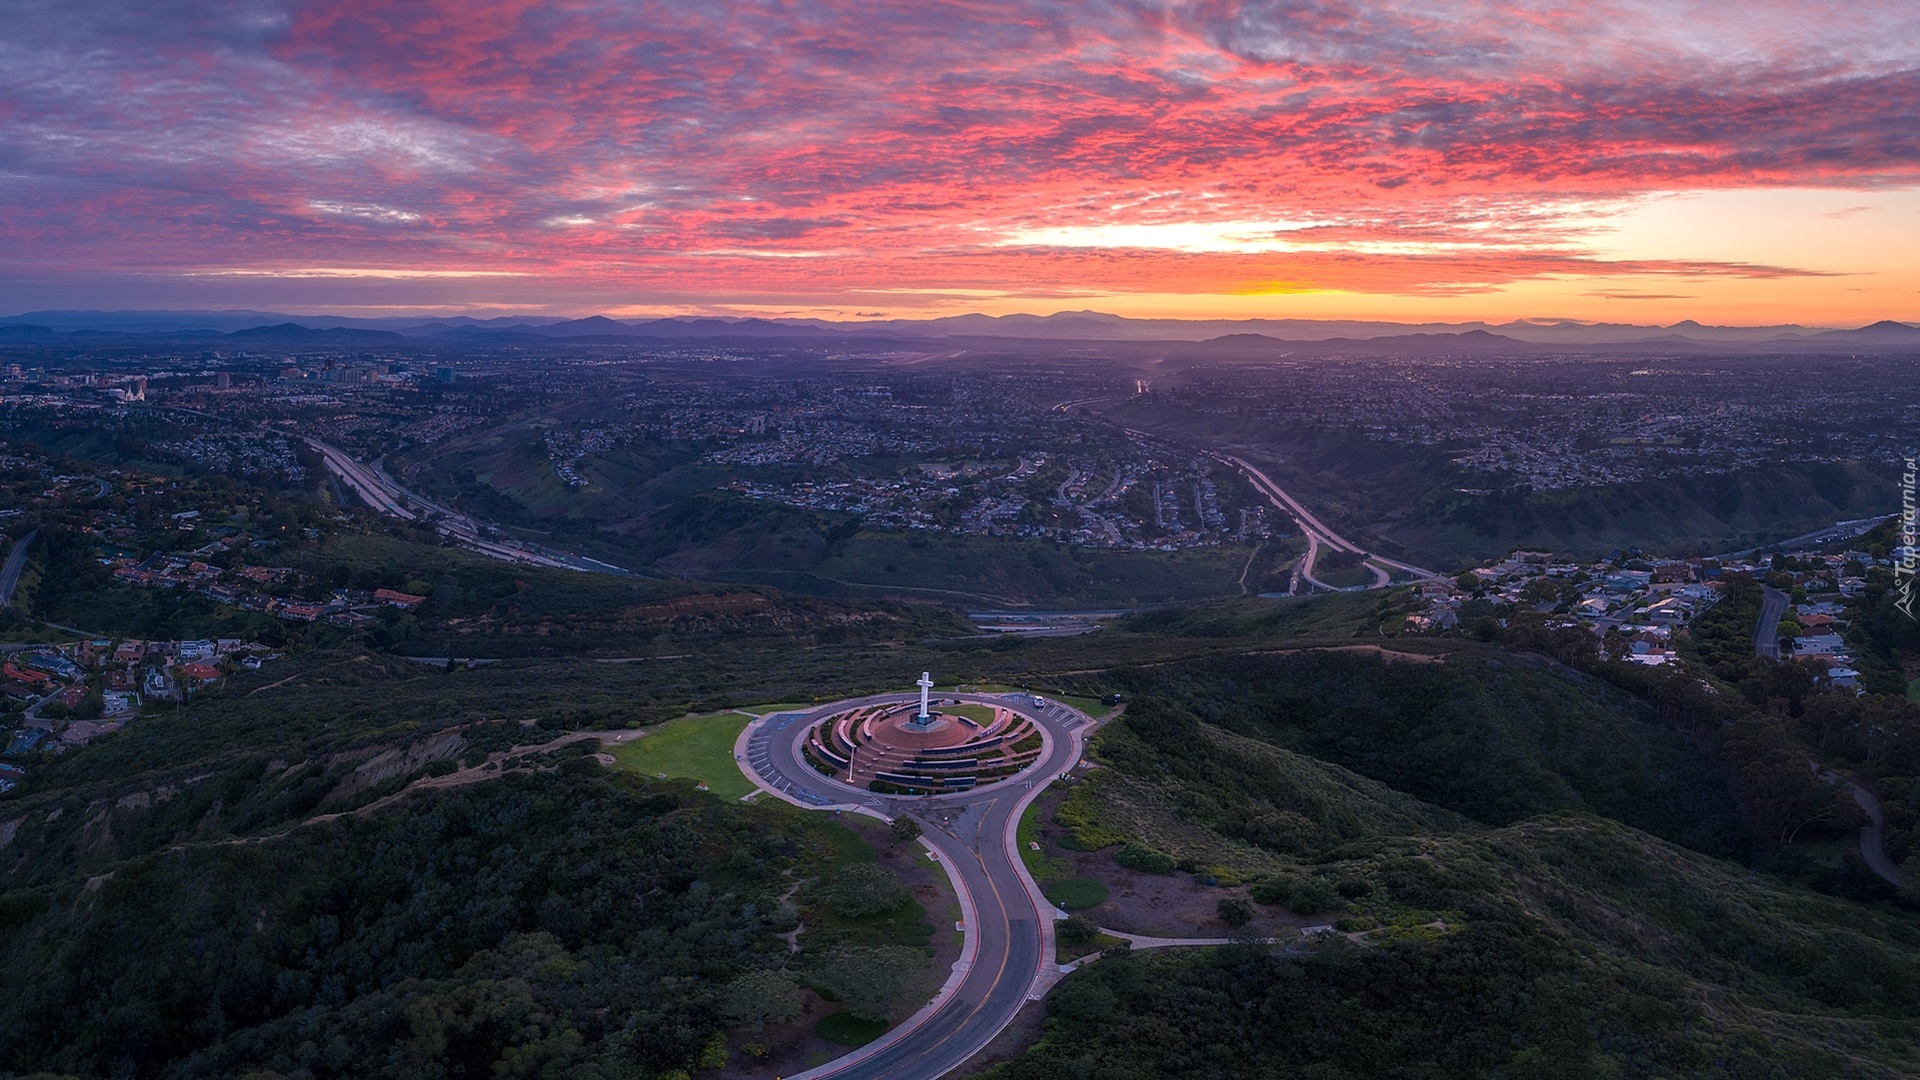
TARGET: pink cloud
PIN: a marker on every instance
(854, 146)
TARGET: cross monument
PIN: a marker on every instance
(926, 683)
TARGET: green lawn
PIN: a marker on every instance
(1093, 707)
(700, 747)
(1041, 865)
(1075, 893)
(979, 714)
(785, 706)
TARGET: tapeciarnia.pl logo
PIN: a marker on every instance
(1907, 560)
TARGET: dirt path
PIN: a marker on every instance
(458, 778)
(474, 774)
(310, 671)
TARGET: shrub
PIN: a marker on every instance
(1080, 814)
(1311, 896)
(1236, 911)
(759, 997)
(865, 890)
(1273, 890)
(878, 984)
(1140, 857)
(1076, 931)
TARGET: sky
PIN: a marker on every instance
(1605, 160)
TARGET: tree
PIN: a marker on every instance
(760, 998)
(905, 829)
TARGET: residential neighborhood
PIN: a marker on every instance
(57, 697)
(1634, 603)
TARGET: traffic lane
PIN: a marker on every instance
(986, 999)
(952, 1033)
(957, 1034)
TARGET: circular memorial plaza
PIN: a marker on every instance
(925, 747)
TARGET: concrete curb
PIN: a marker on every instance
(969, 948)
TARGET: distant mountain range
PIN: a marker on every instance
(1239, 336)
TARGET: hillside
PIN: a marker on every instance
(1493, 913)
(434, 874)
(1521, 859)
(1566, 946)
(1679, 515)
(1487, 734)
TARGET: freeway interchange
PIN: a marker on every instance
(1319, 535)
(1008, 954)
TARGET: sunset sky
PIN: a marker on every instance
(1747, 163)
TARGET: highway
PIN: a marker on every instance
(1008, 955)
(1319, 535)
(381, 491)
(362, 480)
(385, 494)
(16, 562)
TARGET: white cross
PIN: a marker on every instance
(925, 684)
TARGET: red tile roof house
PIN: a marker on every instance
(398, 599)
(25, 675)
(199, 673)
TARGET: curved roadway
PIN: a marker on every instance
(1008, 954)
(1318, 534)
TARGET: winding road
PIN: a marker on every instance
(1008, 954)
(1319, 535)
(1873, 848)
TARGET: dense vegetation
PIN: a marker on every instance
(565, 923)
(1489, 735)
(1460, 823)
(1560, 947)
(1520, 851)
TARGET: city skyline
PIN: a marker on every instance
(1620, 162)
